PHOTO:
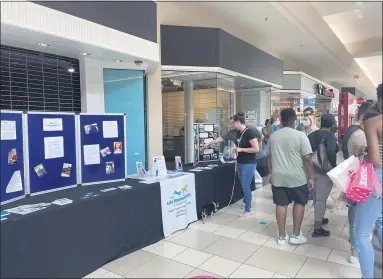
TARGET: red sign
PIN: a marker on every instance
(360, 101)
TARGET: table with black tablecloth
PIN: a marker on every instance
(74, 240)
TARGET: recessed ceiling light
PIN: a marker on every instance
(118, 60)
(71, 70)
(84, 53)
(43, 45)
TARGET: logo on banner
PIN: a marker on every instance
(179, 195)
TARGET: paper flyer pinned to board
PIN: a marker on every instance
(52, 124)
(14, 184)
(110, 129)
(8, 130)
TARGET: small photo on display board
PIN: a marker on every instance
(12, 156)
(91, 129)
(118, 147)
(109, 168)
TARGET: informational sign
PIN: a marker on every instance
(204, 133)
(54, 147)
(324, 91)
(159, 167)
(52, 124)
(178, 203)
(8, 130)
(251, 117)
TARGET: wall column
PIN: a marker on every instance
(189, 121)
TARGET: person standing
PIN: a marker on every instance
(354, 143)
(307, 112)
(245, 152)
(369, 211)
(291, 175)
(273, 125)
(323, 184)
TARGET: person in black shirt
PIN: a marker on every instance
(323, 183)
(245, 153)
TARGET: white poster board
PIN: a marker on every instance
(178, 203)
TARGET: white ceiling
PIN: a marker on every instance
(295, 32)
(358, 25)
(28, 39)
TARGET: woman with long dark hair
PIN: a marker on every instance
(370, 210)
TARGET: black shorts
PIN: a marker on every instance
(283, 196)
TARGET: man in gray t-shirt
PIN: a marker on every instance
(291, 175)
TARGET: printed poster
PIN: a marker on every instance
(12, 156)
(8, 130)
(92, 154)
(65, 172)
(52, 124)
(178, 203)
(53, 147)
(110, 129)
(14, 184)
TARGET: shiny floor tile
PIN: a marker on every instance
(255, 238)
(229, 232)
(314, 268)
(248, 224)
(278, 261)
(221, 266)
(127, 263)
(247, 271)
(341, 257)
(192, 257)
(232, 249)
(195, 239)
(312, 251)
(168, 250)
(160, 267)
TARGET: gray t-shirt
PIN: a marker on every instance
(287, 147)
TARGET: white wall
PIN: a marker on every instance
(259, 101)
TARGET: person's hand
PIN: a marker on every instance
(311, 184)
(269, 178)
(205, 145)
(360, 152)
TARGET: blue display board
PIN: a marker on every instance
(44, 135)
(93, 134)
(12, 155)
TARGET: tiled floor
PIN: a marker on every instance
(230, 246)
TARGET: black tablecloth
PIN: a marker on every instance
(73, 240)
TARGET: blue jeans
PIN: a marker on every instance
(351, 221)
(367, 213)
(245, 175)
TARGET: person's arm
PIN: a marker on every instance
(331, 147)
(269, 166)
(357, 144)
(306, 153)
(253, 149)
(371, 130)
(217, 140)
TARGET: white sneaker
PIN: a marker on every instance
(298, 239)
(282, 240)
(354, 258)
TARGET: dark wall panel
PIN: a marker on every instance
(136, 18)
(241, 57)
(37, 81)
(212, 47)
(351, 90)
(189, 46)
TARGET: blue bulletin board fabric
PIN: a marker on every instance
(97, 173)
(7, 169)
(53, 179)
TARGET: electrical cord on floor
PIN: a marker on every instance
(232, 191)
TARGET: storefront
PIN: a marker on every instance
(300, 91)
(209, 82)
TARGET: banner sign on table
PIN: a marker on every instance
(178, 203)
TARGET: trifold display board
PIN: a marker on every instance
(205, 133)
(12, 156)
(52, 151)
(103, 142)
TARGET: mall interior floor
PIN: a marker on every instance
(229, 246)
